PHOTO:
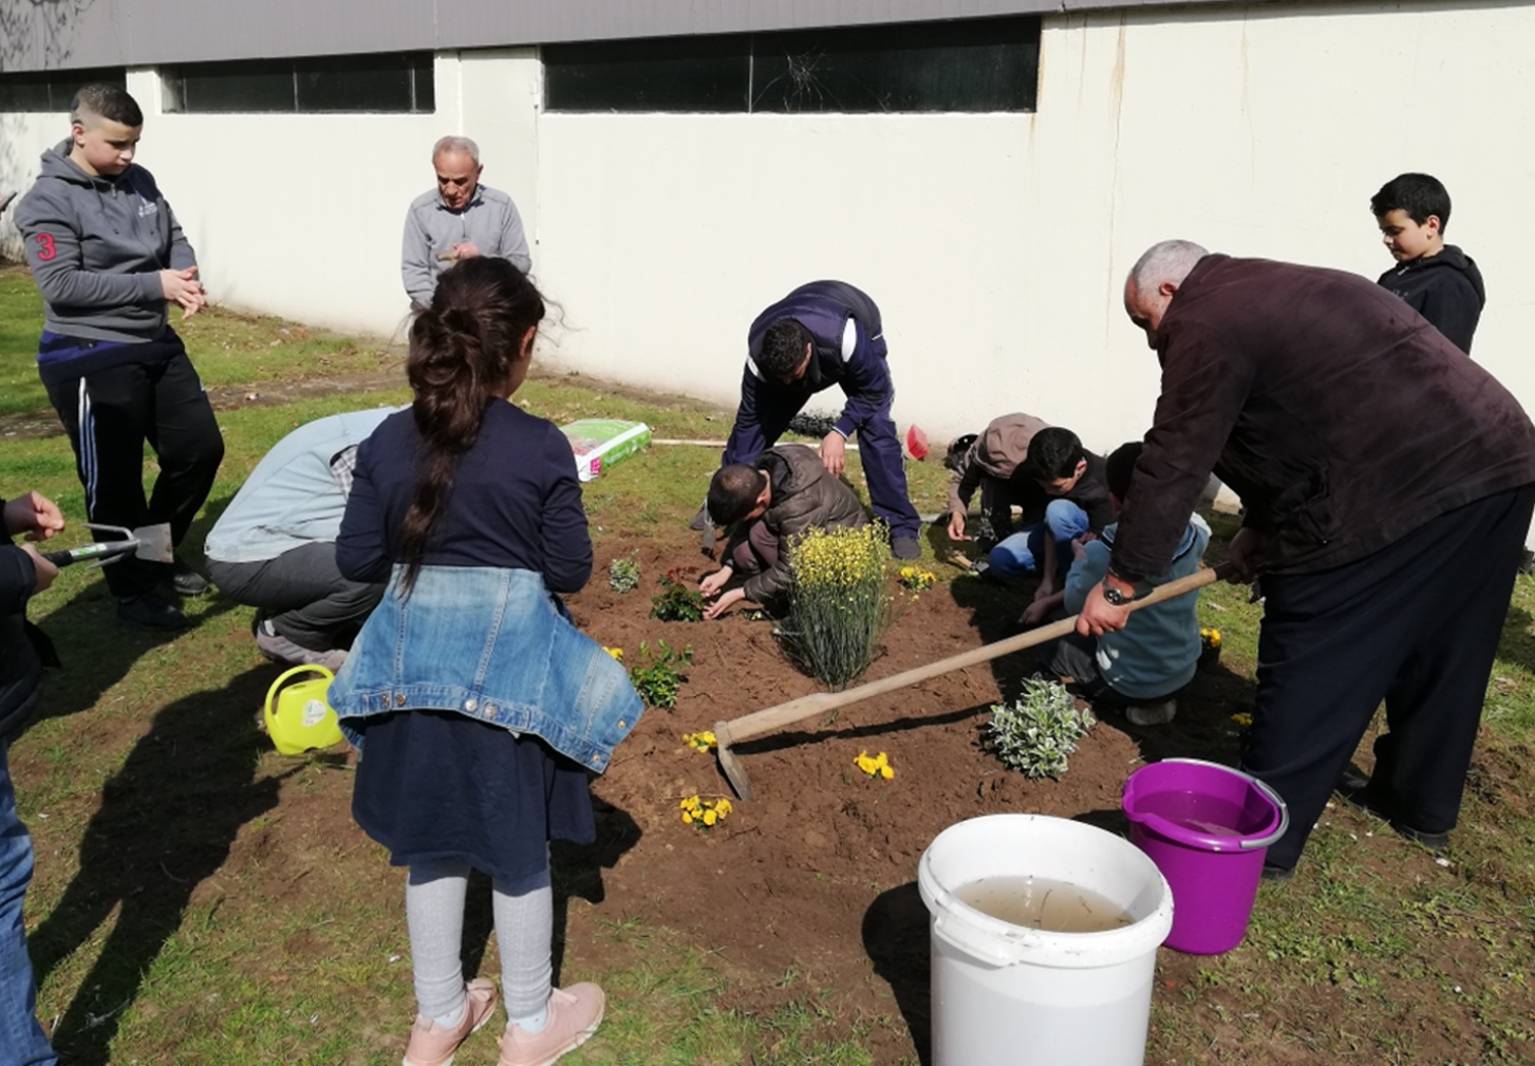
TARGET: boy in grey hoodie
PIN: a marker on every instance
(109, 257)
(1143, 665)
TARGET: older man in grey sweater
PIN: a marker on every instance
(459, 219)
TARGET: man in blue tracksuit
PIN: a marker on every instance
(823, 334)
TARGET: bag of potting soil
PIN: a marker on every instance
(601, 442)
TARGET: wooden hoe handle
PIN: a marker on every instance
(772, 719)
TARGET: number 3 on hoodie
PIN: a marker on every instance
(45, 246)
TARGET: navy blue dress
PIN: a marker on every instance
(436, 785)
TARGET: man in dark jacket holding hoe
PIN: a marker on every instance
(1387, 556)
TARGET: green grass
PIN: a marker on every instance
(201, 942)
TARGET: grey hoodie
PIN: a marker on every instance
(96, 246)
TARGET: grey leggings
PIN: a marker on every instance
(434, 913)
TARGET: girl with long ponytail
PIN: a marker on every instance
(460, 683)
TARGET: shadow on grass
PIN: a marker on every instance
(98, 650)
(895, 935)
(166, 822)
(576, 874)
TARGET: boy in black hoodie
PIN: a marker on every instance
(1437, 280)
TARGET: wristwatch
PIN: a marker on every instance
(1138, 589)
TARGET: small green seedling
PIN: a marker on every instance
(661, 677)
(623, 574)
(1037, 733)
(676, 602)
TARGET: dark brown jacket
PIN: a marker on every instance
(804, 495)
(1342, 418)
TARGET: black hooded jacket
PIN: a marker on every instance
(1446, 289)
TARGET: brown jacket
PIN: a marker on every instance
(1338, 414)
(990, 464)
(804, 495)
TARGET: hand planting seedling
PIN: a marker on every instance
(838, 603)
(704, 814)
(875, 765)
(623, 574)
(662, 676)
(703, 741)
(1037, 733)
(916, 579)
(677, 602)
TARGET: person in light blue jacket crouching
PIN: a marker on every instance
(1142, 666)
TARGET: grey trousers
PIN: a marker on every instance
(303, 593)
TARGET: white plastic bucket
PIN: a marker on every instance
(1008, 995)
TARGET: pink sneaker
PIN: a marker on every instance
(574, 1014)
(434, 1045)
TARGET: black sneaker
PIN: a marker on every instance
(1277, 873)
(1438, 843)
(906, 548)
(1353, 788)
(188, 582)
(151, 612)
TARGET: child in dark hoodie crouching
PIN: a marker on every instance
(1436, 279)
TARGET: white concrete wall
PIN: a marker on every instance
(301, 215)
(995, 244)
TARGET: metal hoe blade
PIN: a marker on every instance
(735, 773)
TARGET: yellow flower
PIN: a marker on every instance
(875, 765)
(1243, 719)
(710, 817)
(687, 819)
(723, 806)
(701, 741)
(617, 653)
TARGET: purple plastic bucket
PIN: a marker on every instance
(1207, 827)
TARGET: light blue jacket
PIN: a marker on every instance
(1157, 651)
(292, 498)
(490, 643)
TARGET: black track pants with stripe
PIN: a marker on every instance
(109, 414)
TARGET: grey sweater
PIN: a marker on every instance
(96, 246)
(490, 222)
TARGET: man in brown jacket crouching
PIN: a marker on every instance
(785, 491)
(1387, 483)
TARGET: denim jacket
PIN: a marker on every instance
(489, 643)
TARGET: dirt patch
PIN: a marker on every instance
(816, 873)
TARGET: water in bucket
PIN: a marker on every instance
(1009, 992)
(1044, 903)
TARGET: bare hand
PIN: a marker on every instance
(712, 584)
(833, 453)
(182, 287)
(1079, 544)
(1245, 555)
(726, 600)
(33, 514)
(957, 525)
(1034, 614)
(1098, 616)
(1045, 591)
(465, 250)
(46, 571)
